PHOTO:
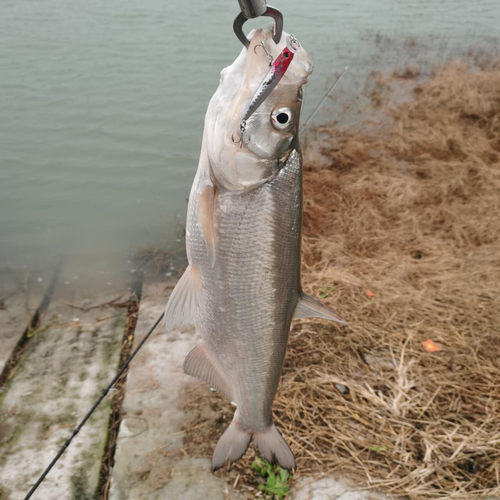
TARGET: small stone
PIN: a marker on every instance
(343, 389)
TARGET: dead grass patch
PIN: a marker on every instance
(408, 210)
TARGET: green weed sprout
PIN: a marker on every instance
(325, 293)
(276, 478)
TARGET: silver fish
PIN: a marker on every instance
(242, 286)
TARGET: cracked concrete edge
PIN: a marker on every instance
(15, 314)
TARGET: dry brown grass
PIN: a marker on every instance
(408, 210)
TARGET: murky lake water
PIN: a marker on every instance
(102, 107)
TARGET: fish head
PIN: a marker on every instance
(245, 157)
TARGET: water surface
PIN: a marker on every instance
(102, 107)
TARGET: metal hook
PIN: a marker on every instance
(253, 8)
(241, 141)
(269, 56)
(292, 43)
(270, 12)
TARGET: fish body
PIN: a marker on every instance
(242, 286)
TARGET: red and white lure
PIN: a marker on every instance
(276, 72)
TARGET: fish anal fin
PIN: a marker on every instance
(206, 217)
(185, 300)
(308, 307)
(200, 363)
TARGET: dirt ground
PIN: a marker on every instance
(401, 237)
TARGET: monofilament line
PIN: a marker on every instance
(323, 100)
(93, 409)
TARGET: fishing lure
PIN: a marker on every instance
(274, 75)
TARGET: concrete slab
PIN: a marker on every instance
(192, 479)
(149, 461)
(67, 363)
(329, 488)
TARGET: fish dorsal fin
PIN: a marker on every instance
(308, 307)
(206, 217)
(185, 300)
(200, 363)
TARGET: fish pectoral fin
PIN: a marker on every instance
(206, 217)
(308, 307)
(185, 300)
(200, 363)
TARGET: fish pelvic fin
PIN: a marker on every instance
(234, 443)
(201, 364)
(308, 307)
(185, 300)
(206, 217)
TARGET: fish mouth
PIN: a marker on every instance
(258, 59)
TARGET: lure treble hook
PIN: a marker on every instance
(241, 140)
(269, 56)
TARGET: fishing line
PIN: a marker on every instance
(304, 99)
(93, 409)
(323, 100)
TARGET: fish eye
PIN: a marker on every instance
(282, 118)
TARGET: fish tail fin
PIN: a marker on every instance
(231, 446)
(271, 445)
(235, 441)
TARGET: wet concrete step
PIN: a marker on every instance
(149, 462)
(71, 357)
